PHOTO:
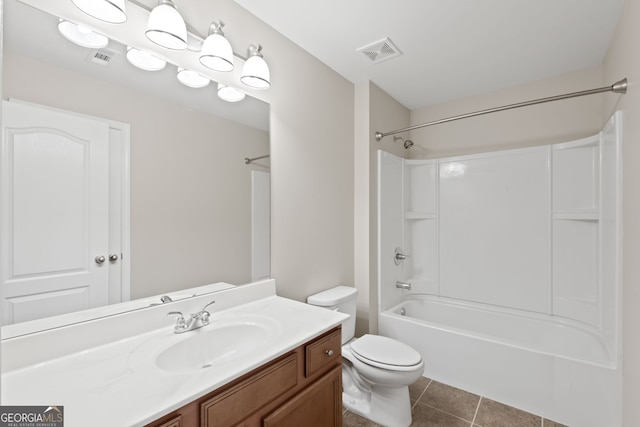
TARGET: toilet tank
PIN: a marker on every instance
(343, 300)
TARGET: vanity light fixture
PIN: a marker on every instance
(166, 27)
(112, 11)
(81, 36)
(217, 53)
(255, 72)
(144, 60)
(191, 78)
(230, 94)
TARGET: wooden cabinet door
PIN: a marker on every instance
(319, 405)
(173, 422)
(232, 406)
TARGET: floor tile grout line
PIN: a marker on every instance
(445, 412)
(422, 394)
(475, 415)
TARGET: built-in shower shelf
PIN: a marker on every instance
(578, 215)
(419, 215)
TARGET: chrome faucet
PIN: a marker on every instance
(403, 285)
(195, 321)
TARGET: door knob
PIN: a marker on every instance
(113, 257)
(100, 259)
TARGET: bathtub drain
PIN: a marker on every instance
(403, 312)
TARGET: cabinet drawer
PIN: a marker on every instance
(323, 353)
(231, 406)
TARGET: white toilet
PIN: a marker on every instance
(376, 371)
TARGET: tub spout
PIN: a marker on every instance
(403, 285)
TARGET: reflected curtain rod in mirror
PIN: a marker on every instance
(248, 160)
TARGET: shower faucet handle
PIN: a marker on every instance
(399, 256)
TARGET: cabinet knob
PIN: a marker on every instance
(329, 353)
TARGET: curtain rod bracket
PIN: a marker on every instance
(618, 87)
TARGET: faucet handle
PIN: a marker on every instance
(182, 324)
(175, 313)
(204, 317)
(204, 308)
(399, 256)
(204, 314)
(180, 321)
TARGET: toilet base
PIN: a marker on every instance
(387, 406)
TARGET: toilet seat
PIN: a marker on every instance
(385, 353)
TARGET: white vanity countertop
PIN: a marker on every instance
(119, 384)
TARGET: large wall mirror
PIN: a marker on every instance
(191, 191)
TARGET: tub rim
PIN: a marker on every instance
(553, 320)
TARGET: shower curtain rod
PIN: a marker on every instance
(617, 87)
(248, 160)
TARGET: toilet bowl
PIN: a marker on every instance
(376, 370)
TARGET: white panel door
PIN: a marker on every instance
(54, 212)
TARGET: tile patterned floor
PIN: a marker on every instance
(438, 405)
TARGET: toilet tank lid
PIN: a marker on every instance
(333, 296)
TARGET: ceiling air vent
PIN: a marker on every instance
(101, 56)
(380, 50)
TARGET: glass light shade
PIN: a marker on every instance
(230, 94)
(217, 53)
(112, 11)
(191, 78)
(255, 72)
(166, 27)
(82, 36)
(144, 60)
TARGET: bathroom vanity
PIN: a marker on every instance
(262, 360)
(302, 387)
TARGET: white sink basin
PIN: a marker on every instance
(223, 340)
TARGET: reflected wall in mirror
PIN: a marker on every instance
(190, 189)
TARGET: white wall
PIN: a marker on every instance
(361, 168)
(623, 60)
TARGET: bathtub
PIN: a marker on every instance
(545, 365)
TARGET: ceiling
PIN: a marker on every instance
(451, 49)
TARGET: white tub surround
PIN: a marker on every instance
(519, 253)
(104, 371)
